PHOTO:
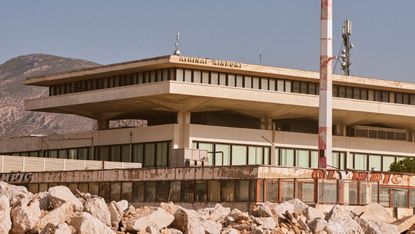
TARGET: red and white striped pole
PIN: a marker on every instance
(325, 107)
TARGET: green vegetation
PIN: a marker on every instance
(405, 165)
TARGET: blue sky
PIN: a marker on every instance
(285, 32)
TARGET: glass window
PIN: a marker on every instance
(179, 75)
(205, 77)
(83, 154)
(103, 153)
(327, 191)
(83, 187)
(163, 191)
(264, 83)
(200, 191)
(165, 74)
(93, 188)
(127, 191)
(255, 155)
(296, 87)
(115, 191)
(342, 91)
(175, 191)
(231, 80)
(255, 82)
(63, 153)
(287, 157)
(115, 153)
(367, 193)
(412, 99)
(188, 75)
(363, 94)
(385, 96)
(222, 79)
(312, 89)
(162, 154)
(222, 150)
(242, 190)
(267, 156)
(387, 161)
(43, 187)
(138, 153)
(149, 154)
(248, 82)
(302, 158)
(214, 191)
(384, 196)
(271, 190)
(303, 87)
(209, 148)
(375, 163)
(349, 92)
(228, 189)
(399, 197)
(356, 93)
(150, 191)
(125, 153)
(314, 158)
(305, 191)
(141, 77)
(214, 79)
(53, 153)
(239, 81)
(239, 155)
(138, 191)
(272, 84)
(277, 157)
(280, 85)
(188, 191)
(105, 190)
(33, 188)
(287, 190)
(197, 76)
(252, 190)
(412, 198)
(360, 161)
(405, 99)
(352, 187)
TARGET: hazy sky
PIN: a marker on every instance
(286, 32)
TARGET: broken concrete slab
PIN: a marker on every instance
(376, 227)
(312, 213)
(61, 194)
(115, 214)
(25, 215)
(158, 219)
(98, 208)
(261, 210)
(405, 223)
(340, 221)
(86, 223)
(13, 193)
(62, 214)
(374, 211)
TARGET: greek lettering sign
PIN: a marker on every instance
(18, 177)
(213, 62)
(381, 177)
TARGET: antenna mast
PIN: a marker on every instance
(176, 45)
(345, 54)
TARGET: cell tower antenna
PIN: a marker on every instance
(176, 44)
(345, 53)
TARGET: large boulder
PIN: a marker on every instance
(13, 193)
(25, 215)
(217, 213)
(85, 223)
(376, 227)
(292, 206)
(62, 214)
(115, 214)
(340, 221)
(61, 194)
(153, 219)
(190, 221)
(317, 225)
(5, 221)
(43, 198)
(374, 211)
(237, 216)
(98, 208)
(261, 210)
(312, 213)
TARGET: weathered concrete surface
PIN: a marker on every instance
(85, 223)
(13, 193)
(61, 194)
(156, 219)
(25, 215)
(62, 214)
(5, 220)
(374, 211)
(376, 227)
(405, 223)
(340, 221)
(98, 208)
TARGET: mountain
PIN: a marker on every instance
(14, 120)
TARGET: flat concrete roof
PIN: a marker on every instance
(212, 65)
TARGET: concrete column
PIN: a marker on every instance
(182, 138)
(103, 124)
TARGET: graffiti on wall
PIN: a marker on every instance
(17, 177)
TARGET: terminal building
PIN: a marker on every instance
(246, 127)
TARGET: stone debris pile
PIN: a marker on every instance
(60, 211)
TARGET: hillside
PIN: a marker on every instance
(14, 121)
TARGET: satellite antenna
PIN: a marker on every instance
(176, 44)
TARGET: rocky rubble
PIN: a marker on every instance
(60, 211)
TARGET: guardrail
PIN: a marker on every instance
(34, 164)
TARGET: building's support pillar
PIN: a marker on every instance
(266, 124)
(182, 138)
(103, 124)
(325, 105)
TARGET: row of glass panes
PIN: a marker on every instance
(364, 161)
(273, 190)
(164, 191)
(113, 81)
(294, 86)
(380, 133)
(151, 154)
(221, 154)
